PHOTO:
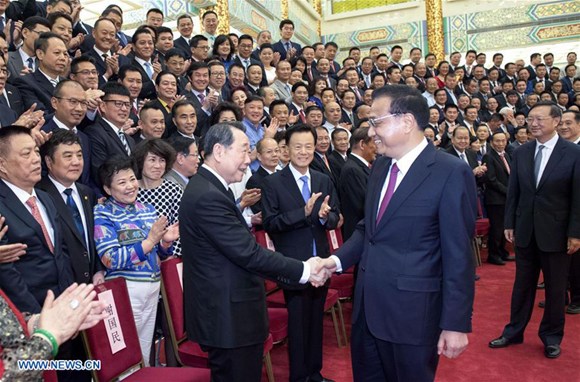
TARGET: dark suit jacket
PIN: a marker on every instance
(318, 164)
(27, 280)
(416, 266)
(496, 178)
(170, 128)
(352, 190)
(550, 211)
(203, 120)
(36, 88)
(336, 162)
(148, 90)
(224, 302)
(102, 66)
(256, 181)
(182, 44)
(15, 65)
(283, 214)
(280, 48)
(85, 261)
(7, 115)
(85, 145)
(105, 143)
(15, 99)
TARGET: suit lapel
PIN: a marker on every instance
(14, 204)
(215, 181)
(291, 185)
(418, 172)
(52, 213)
(375, 191)
(109, 130)
(555, 158)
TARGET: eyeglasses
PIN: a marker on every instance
(531, 120)
(373, 121)
(74, 102)
(119, 104)
(87, 72)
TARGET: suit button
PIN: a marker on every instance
(363, 269)
(372, 242)
(85, 254)
(86, 274)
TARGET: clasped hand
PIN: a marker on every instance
(320, 270)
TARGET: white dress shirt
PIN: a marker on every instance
(77, 198)
(546, 153)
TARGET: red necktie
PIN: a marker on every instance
(505, 163)
(302, 116)
(389, 193)
(31, 202)
(310, 73)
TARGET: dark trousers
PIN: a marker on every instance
(243, 364)
(73, 350)
(575, 279)
(305, 314)
(496, 239)
(555, 267)
(375, 360)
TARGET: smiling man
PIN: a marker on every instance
(225, 307)
(413, 245)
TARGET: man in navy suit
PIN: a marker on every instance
(285, 47)
(34, 221)
(185, 28)
(298, 206)
(37, 87)
(415, 286)
(541, 219)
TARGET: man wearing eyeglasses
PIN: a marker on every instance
(541, 220)
(415, 286)
(70, 107)
(107, 134)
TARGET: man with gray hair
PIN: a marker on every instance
(224, 267)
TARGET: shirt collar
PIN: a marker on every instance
(214, 172)
(360, 158)
(297, 174)
(22, 195)
(407, 160)
(100, 52)
(48, 77)
(115, 128)
(60, 187)
(142, 61)
(550, 143)
(62, 125)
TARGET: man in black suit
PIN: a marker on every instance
(74, 202)
(144, 60)
(543, 204)
(339, 156)
(107, 134)
(37, 87)
(497, 162)
(268, 155)
(244, 56)
(298, 206)
(34, 221)
(225, 308)
(285, 47)
(199, 96)
(354, 178)
(23, 60)
(185, 28)
(320, 161)
(460, 141)
(106, 62)
(70, 107)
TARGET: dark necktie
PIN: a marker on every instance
(537, 164)
(123, 139)
(76, 215)
(30, 62)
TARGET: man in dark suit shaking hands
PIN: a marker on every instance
(541, 219)
(415, 286)
(223, 266)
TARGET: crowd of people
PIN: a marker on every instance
(101, 133)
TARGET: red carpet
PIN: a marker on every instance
(525, 362)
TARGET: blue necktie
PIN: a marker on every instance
(149, 70)
(72, 206)
(30, 61)
(122, 39)
(306, 196)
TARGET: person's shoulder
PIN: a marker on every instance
(171, 187)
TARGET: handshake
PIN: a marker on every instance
(320, 270)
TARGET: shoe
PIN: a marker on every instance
(508, 258)
(542, 304)
(495, 260)
(477, 277)
(541, 285)
(573, 309)
(552, 351)
(502, 342)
